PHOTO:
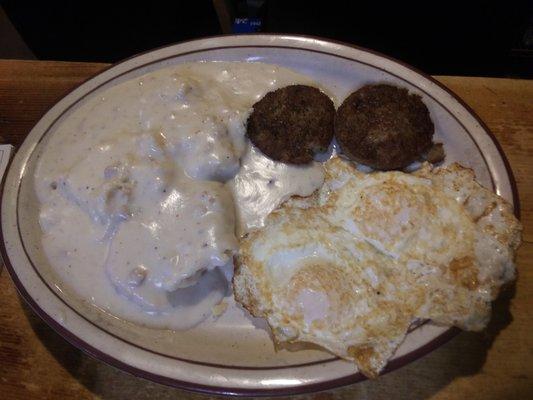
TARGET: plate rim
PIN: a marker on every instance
(303, 388)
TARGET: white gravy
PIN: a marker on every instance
(140, 185)
(263, 184)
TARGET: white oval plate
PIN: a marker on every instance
(235, 355)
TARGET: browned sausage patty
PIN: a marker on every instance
(291, 124)
(383, 126)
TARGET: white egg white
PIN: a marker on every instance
(353, 266)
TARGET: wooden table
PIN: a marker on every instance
(36, 363)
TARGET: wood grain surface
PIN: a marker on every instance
(36, 363)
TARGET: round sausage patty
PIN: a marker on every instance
(384, 127)
(291, 124)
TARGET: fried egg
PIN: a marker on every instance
(351, 267)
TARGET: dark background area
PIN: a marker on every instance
(446, 38)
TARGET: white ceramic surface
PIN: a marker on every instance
(233, 355)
